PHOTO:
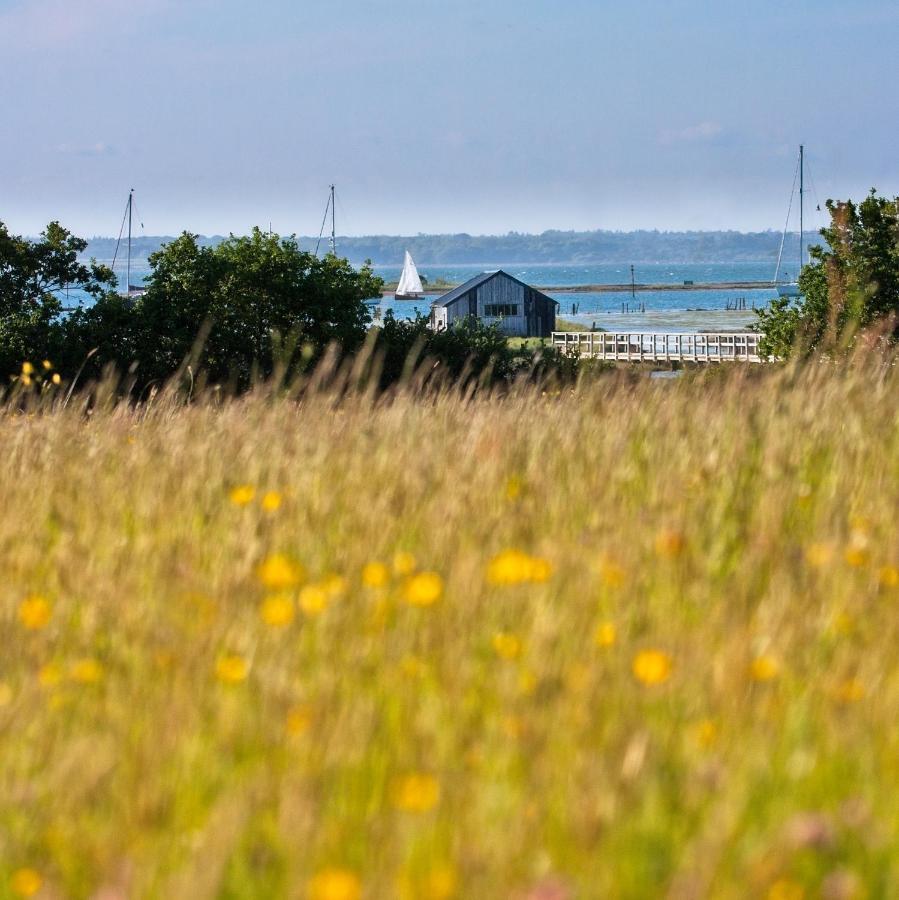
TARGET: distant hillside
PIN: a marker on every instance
(567, 247)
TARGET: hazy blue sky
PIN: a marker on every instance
(461, 115)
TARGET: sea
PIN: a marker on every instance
(660, 311)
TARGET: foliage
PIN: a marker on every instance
(642, 634)
(851, 284)
(32, 275)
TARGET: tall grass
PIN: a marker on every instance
(628, 639)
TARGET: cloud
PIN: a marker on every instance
(100, 148)
(704, 131)
(41, 24)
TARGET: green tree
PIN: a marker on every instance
(851, 283)
(33, 274)
(250, 292)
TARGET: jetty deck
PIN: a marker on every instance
(647, 346)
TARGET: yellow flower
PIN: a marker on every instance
(47, 365)
(507, 646)
(25, 882)
(271, 501)
(298, 721)
(242, 495)
(705, 733)
(279, 572)
(417, 792)
(612, 574)
(87, 671)
(652, 667)
(515, 567)
(818, 555)
(49, 675)
(888, 576)
(850, 691)
(605, 634)
(440, 884)
(404, 563)
(856, 555)
(314, 599)
(277, 610)
(784, 889)
(669, 544)
(424, 589)
(56, 378)
(27, 368)
(35, 612)
(231, 669)
(334, 884)
(764, 668)
(527, 683)
(6, 694)
(513, 488)
(375, 575)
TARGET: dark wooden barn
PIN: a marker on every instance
(521, 310)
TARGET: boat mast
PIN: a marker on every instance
(333, 228)
(801, 208)
(128, 268)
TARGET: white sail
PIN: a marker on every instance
(410, 283)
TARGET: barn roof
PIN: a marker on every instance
(453, 295)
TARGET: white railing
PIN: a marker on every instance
(640, 346)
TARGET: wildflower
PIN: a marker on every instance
(271, 501)
(375, 575)
(314, 599)
(277, 610)
(279, 572)
(87, 671)
(850, 691)
(56, 378)
(612, 574)
(856, 555)
(507, 646)
(705, 733)
(440, 884)
(818, 555)
(764, 668)
(25, 882)
(231, 669)
(242, 495)
(26, 380)
(669, 544)
(424, 589)
(652, 667)
(35, 612)
(888, 576)
(47, 365)
(605, 634)
(404, 563)
(334, 884)
(49, 675)
(527, 683)
(513, 488)
(27, 369)
(515, 567)
(298, 721)
(785, 889)
(418, 792)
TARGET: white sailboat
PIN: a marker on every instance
(131, 290)
(409, 287)
(791, 288)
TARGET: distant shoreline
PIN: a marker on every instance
(390, 288)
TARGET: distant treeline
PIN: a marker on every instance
(572, 247)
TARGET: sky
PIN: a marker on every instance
(478, 116)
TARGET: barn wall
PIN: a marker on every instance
(536, 316)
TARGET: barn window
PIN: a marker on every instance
(501, 309)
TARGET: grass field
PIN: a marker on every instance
(635, 639)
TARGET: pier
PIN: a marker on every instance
(647, 346)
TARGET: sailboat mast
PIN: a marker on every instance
(801, 207)
(333, 225)
(128, 268)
